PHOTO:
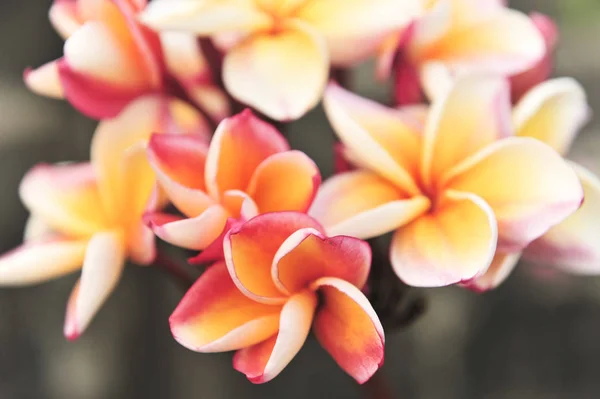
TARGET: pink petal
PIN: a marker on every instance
(501, 267)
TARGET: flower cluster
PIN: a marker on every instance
(465, 168)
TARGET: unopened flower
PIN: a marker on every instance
(247, 169)
(278, 53)
(281, 276)
(459, 37)
(554, 112)
(88, 216)
(111, 59)
(454, 190)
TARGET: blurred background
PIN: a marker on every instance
(537, 336)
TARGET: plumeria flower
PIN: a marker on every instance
(459, 37)
(247, 169)
(453, 191)
(554, 112)
(282, 275)
(110, 59)
(278, 53)
(88, 216)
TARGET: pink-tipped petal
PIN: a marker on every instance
(102, 268)
(528, 185)
(376, 135)
(214, 316)
(45, 80)
(362, 204)
(264, 361)
(194, 233)
(251, 247)
(66, 197)
(455, 242)
(574, 244)
(501, 267)
(282, 74)
(41, 260)
(347, 327)
(214, 252)
(286, 181)
(553, 112)
(64, 17)
(240, 144)
(472, 114)
(308, 255)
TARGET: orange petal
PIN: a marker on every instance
(64, 17)
(179, 162)
(135, 124)
(141, 244)
(45, 80)
(194, 233)
(42, 260)
(527, 184)
(355, 28)
(553, 112)
(250, 250)
(574, 244)
(264, 361)
(281, 74)
(473, 114)
(239, 205)
(205, 17)
(362, 204)
(214, 316)
(102, 268)
(348, 328)
(240, 144)
(308, 255)
(66, 197)
(287, 181)
(454, 243)
(378, 137)
(501, 267)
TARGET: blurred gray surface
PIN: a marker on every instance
(535, 337)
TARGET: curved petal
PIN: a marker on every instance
(194, 233)
(308, 255)
(501, 267)
(473, 114)
(456, 242)
(102, 268)
(355, 28)
(239, 205)
(527, 184)
(214, 316)
(66, 197)
(281, 74)
(287, 181)
(250, 249)
(377, 136)
(264, 361)
(553, 112)
(134, 125)
(348, 328)
(179, 162)
(63, 17)
(42, 260)
(205, 17)
(138, 185)
(574, 244)
(361, 204)
(45, 80)
(141, 244)
(37, 229)
(240, 144)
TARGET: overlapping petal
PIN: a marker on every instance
(501, 267)
(362, 204)
(527, 184)
(574, 244)
(553, 112)
(251, 247)
(455, 242)
(215, 316)
(281, 74)
(348, 328)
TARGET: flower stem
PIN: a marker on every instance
(174, 269)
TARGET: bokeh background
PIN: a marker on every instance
(538, 336)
